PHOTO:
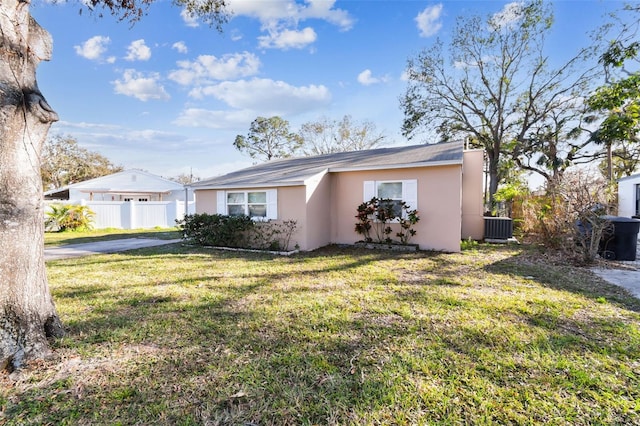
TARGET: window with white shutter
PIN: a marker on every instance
(397, 190)
(257, 204)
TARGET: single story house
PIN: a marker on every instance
(128, 185)
(629, 196)
(322, 193)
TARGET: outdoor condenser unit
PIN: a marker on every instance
(498, 228)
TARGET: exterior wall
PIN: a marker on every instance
(439, 204)
(472, 200)
(627, 196)
(319, 212)
(291, 206)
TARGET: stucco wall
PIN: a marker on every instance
(291, 206)
(439, 204)
(472, 200)
(319, 212)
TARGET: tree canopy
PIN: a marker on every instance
(495, 88)
(65, 162)
(618, 99)
(268, 138)
(327, 136)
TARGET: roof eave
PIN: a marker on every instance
(397, 166)
(248, 186)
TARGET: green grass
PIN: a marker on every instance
(79, 237)
(177, 335)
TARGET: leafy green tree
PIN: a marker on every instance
(619, 98)
(327, 136)
(268, 138)
(65, 162)
(495, 88)
(28, 317)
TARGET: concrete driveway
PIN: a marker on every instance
(628, 278)
(79, 250)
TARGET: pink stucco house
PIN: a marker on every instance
(442, 181)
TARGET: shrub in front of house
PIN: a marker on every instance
(69, 217)
(382, 219)
(237, 231)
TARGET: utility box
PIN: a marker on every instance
(498, 228)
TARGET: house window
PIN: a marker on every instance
(397, 191)
(391, 191)
(637, 200)
(259, 204)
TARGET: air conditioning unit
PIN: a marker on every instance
(498, 228)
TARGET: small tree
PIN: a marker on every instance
(376, 217)
(328, 136)
(268, 138)
(69, 217)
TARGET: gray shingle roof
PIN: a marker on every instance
(295, 171)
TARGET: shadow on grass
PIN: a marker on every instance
(406, 342)
(565, 278)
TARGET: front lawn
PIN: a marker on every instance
(177, 335)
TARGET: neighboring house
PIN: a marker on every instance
(629, 196)
(322, 193)
(128, 185)
(129, 199)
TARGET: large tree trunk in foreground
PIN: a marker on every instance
(27, 314)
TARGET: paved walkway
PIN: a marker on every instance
(78, 250)
(623, 273)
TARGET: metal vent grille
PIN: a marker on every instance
(498, 228)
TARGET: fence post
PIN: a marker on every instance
(132, 214)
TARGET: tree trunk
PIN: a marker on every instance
(27, 313)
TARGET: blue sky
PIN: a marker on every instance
(168, 95)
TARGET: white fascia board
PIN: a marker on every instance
(252, 186)
(397, 166)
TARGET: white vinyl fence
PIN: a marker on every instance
(133, 214)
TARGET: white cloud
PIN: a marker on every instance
(280, 19)
(180, 46)
(429, 20)
(509, 15)
(139, 86)
(366, 78)
(138, 51)
(287, 39)
(207, 68)
(269, 12)
(267, 96)
(197, 117)
(93, 48)
(190, 21)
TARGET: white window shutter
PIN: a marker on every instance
(410, 193)
(272, 204)
(221, 204)
(369, 190)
